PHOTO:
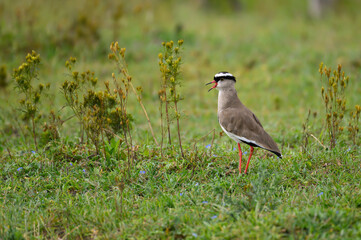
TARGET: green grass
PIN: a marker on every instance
(294, 197)
(65, 191)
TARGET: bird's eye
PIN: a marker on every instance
(221, 79)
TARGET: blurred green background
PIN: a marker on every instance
(273, 48)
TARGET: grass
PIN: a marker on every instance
(65, 191)
(315, 198)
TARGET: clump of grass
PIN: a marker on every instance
(99, 112)
(169, 65)
(74, 90)
(24, 77)
(333, 95)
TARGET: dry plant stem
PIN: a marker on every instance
(305, 132)
(195, 150)
(126, 142)
(11, 157)
(125, 131)
(118, 54)
(125, 71)
(130, 142)
(179, 137)
(146, 114)
(127, 122)
(128, 148)
(82, 132)
(131, 145)
(213, 130)
(101, 132)
(96, 148)
(63, 121)
(34, 133)
(162, 128)
(121, 198)
(65, 236)
(126, 134)
(167, 117)
(111, 132)
(317, 140)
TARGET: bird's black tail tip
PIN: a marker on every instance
(278, 154)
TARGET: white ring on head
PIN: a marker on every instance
(223, 75)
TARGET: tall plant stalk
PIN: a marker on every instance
(24, 77)
(119, 57)
(333, 95)
(169, 65)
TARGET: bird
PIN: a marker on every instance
(237, 121)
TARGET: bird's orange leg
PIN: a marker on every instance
(250, 155)
(240, 158)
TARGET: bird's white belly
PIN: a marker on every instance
(231, 135)
(239, 139)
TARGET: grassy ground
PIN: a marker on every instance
(64, 191)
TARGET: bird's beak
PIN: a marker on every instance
(215, 85)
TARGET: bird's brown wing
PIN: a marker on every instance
(244, 124)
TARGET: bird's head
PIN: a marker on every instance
(222, 80)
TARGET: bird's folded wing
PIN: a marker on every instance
(244, 124)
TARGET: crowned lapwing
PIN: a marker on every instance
(237, 121)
